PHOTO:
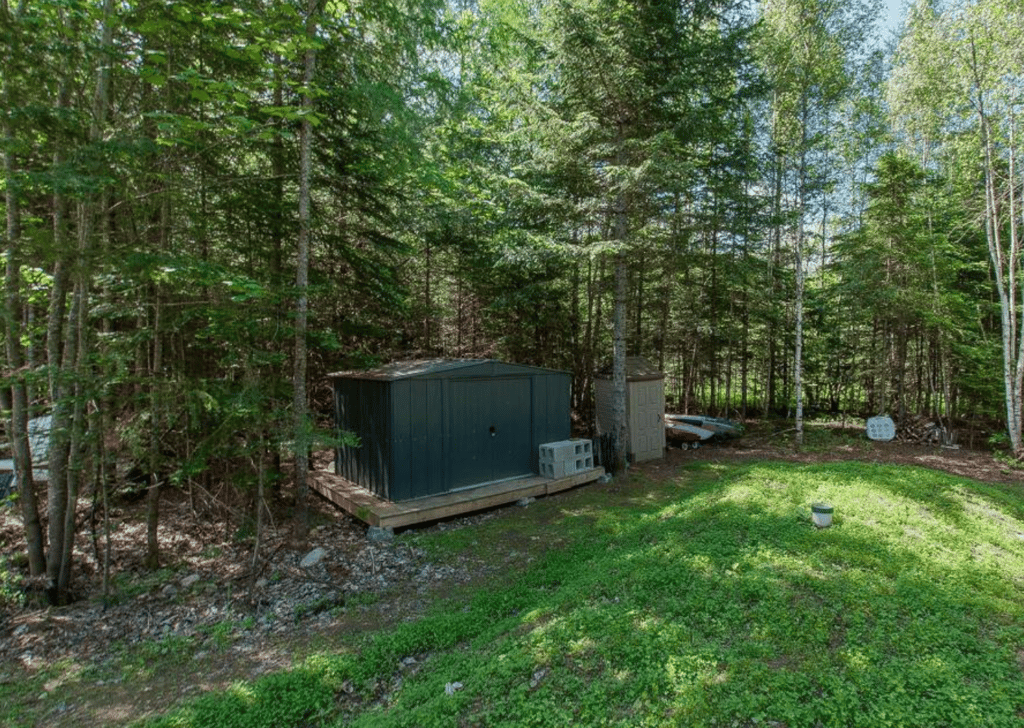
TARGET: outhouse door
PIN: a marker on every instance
(646, 419)
(491, 430)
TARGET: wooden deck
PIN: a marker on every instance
(367, 507)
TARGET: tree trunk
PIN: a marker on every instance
(619, 424)
(299, 403)
(76, 463)
(12, 328)
(152, 561)
(60, 444)
(19, 390)
(774, 263)
(798, 353)
(1005, 264)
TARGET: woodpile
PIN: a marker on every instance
(922, 431)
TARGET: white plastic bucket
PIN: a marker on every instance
(821, 514)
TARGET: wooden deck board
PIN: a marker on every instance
(376, 511)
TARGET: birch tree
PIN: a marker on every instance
(806, 49)
(957, 71)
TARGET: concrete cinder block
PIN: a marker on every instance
(554, 452)
(557, 469)
(565, 450)
(570, 466)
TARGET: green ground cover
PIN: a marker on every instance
(707, 599)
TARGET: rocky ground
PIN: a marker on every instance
(209, 583)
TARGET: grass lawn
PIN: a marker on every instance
(707, 599)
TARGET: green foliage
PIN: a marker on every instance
(219, 634)
(825, 439)
(168, 651)
(11, 596)
(709, 600)
(300, 697)
(126, 586)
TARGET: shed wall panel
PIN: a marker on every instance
(434, 444)
(422, 470)
(362, 409)
(551, 407)
(403, 438)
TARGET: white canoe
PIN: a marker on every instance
(715, 424)
(689, 434)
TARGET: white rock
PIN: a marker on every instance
(313, 558)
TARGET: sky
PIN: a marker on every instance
(894, 14)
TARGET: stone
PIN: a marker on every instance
(378, 534)
(313, 558)
(170, 591)
(189, 581)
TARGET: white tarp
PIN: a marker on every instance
(881, 428)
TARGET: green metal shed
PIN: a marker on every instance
(437, 425)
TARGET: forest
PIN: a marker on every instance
(210, 206)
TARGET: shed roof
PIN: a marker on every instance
(637, 369)
(420, 368)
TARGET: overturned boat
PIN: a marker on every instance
(715, 424)
(694, 429)
(686, 435)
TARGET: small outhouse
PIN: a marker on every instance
(432, 426)
(645, 408)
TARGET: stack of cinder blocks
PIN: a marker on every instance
(558, 459)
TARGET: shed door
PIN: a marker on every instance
(490, 430)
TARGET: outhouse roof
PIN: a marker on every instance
(637, 369)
